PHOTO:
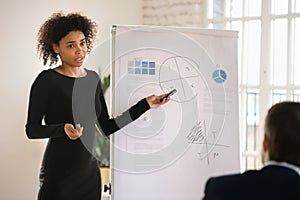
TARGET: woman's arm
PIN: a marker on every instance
(38, 101)
(109, 126)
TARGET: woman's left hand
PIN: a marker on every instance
(154, 100)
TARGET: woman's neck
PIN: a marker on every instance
(71, 71)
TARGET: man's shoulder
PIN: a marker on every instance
(268, 176)
(269, 182)
(235, 180)
(236, 175)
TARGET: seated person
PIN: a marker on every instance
(279, 179)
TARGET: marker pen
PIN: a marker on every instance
(169, 94)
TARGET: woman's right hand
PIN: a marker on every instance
(73, 133)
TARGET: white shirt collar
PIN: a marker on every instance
(284, 164)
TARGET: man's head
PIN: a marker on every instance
(282, 133)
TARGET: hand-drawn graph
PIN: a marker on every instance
(171, 71)
(181, 73)
(205, 140)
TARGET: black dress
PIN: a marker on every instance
(69, 170)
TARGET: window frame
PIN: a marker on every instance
(265, 88)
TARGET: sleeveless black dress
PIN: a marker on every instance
(69, 170)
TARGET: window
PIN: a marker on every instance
(268, 57)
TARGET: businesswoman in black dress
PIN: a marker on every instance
(65, 104)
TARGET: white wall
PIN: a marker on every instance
(20, 21)
(190, 13)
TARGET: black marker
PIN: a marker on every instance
(169, 94)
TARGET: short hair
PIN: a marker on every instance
(57, 27)
(282, 127)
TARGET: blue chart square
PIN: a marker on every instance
(130, 70)
(152, 71)
(144, 64)
(137, 70)
(152, 64)
(137, 63)
(144, 71)
(130, 63)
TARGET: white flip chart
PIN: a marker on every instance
(170, 151)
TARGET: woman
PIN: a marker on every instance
(65, 104)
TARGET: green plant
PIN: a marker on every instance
(105, 83)
(102, 150)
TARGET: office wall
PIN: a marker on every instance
(20, 20)
(190, 13)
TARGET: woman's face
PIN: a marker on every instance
(72, 49)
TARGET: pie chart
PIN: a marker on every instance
(219, 76)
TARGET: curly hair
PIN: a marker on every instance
(57, 27)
